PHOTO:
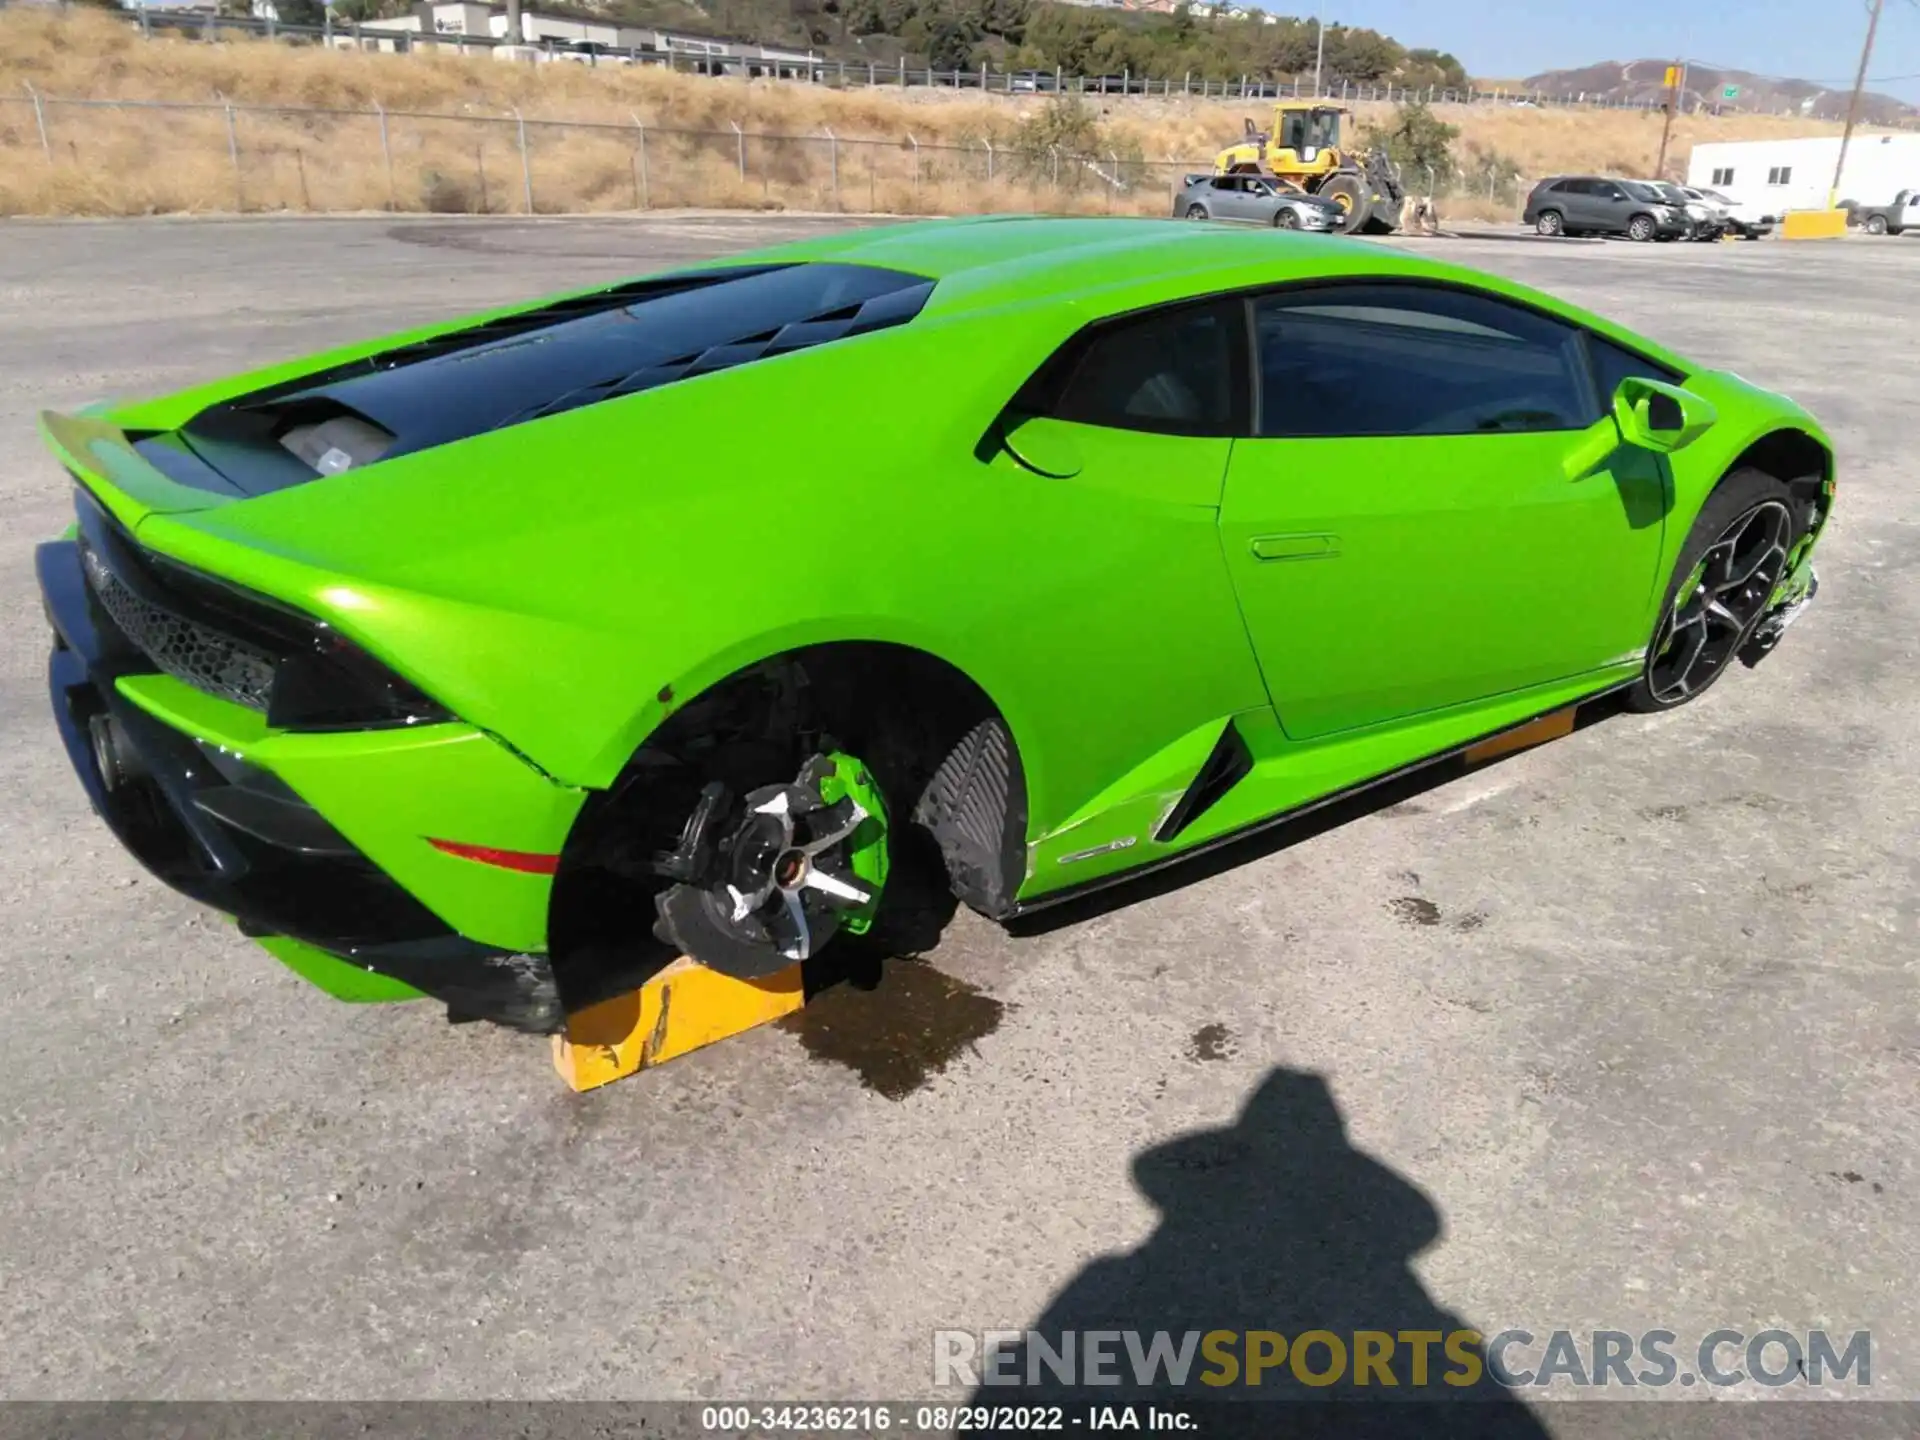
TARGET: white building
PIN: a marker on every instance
(447, 22)
(1782, 175)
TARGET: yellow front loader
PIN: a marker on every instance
(1303, 148)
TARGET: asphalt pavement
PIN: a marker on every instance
(1619, 1034)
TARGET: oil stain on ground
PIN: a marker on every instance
(1211, 1042)
(899, 1029)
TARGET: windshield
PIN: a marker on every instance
(1640, 190)
(1310, 130)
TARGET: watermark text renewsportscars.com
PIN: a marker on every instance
(1223, 1360)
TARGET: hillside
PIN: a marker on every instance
(1639, 81)
(103, 160)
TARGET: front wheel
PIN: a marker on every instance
(1735, 556)
(1286, 219)
(1345, 191)
(1640, 228)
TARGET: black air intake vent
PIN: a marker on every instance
(549, 360)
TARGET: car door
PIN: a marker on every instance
(1433, 506)
(1612, 207)
(1259, 205)
(1230, 198)
(1570, 198)
(1909, 218)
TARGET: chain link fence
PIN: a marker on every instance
(65, 156)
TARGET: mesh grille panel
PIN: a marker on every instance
(184, 649)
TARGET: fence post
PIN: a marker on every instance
(989, 145)
(386, 152)
(1113, 177)
(146, 26)
(1053, 162)
(740, 143)
(916, 159)
(903, 72)
(833, 162)
(480, 169)
(526, 162)
(646, 185)
(40, 119)
(1186, 85)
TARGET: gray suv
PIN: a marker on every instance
(1604, 205)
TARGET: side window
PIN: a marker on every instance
(1354, 360)
(1174, 372)
(1722, 177)
(1780, 175)
(1611, 365)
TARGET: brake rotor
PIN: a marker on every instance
(766, 883)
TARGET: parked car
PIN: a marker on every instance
(1603, 205)
(1901, 215)
(443, 662)
(1741, 217)
(1254, 200)
(1704, 221)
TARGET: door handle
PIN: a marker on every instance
(1296, 547)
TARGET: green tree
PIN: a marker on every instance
(1361, 55)
(1415, 139)
(1422, 68)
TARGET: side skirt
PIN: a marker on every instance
(1282, 817)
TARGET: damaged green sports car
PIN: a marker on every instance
(723, 611)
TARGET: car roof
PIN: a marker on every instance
(1108, 265)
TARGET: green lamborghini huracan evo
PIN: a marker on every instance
(697, 614)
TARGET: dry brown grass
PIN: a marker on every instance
(108, 161)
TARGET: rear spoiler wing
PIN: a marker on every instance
(103, 459)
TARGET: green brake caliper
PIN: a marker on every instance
(866, 847)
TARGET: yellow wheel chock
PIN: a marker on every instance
(683, 1008)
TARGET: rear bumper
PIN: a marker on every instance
(231, 817)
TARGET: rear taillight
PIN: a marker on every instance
(332, 684)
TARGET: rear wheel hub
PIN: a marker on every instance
(780, 873)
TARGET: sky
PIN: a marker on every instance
(1815, 40)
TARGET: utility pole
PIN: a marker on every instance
(515, 33)
(1853, 105)
(1320, 47)
(1676, 73)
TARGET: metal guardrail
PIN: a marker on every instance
(778, 65)
(135, 156)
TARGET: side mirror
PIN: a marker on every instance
(1660, 417)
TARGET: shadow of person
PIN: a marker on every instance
(1271, 1229)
